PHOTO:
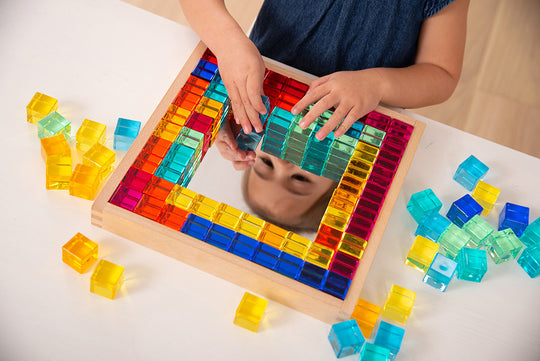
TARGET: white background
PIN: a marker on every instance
(106, 59)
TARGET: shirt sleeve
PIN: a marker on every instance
(432, 7)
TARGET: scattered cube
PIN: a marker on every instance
(366, 314)
(515, 217)
(423, 203)
(530, 260)
(53, 124)
(100, 157)
(346, 338)
(79, 253)
(84, 182)
(471, 264)
(250, 312)
(421, 253)
(389, 336)
(372, 352)
(432, 226)
(399, 304)
(453, 240)
(106, 279)
(486, 195)
(470, 172)
(479, 229)
(531, 236)
(125, 133)
(504, 246)
(56, 153)
(248, 142)
(440, 272)
(90, 133)
(462, 210)
(39, 107)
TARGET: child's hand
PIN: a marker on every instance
(228, 148)
(242, 70)
(352, 93)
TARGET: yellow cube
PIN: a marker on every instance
(204, 207)
(250, 312)
(250, 226)
(421, 253)
(320, 255)
(100, 157)
(486, 195)
(296, 245)
(40, 106)
(227, 216)
(84, 182)
(352, 245)
(90, 133)
(80, 253)
(399, 304)
(181, 197)
(273, 235)
(107, 279)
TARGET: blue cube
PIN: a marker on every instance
(336, 284)
(470, 172)
(289, 265)
(266, 255)
(196, 226)
(453, 240)
(372, 352)
(531, 236)
(462, 210)
(243, 246)
(125, 133)
(515, 217)
(471, 264)
(346, 338)
(220, 236)
(530, 260)
(390, 337)
(440, 272)
(432, 226)
(312, 275)
(423, 203)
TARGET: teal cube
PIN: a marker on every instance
(440, 272)
(530, 260)
(389, 336)
(453, 240)
(471, 264)
(470, 172)
(372, 352)
(432, 226)
(531, 236)
(346, 338)
(125, 133)
(54, 124)
(423, 203)
(505, 245)
(479, 229)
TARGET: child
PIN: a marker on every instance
(402, 53)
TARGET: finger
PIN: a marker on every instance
(254, 89)
(351, 117)
(242, 165)
(333, 122)
(316, 110)
(318, 82)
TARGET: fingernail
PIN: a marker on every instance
(303, 125)
(294, 111)
(319, 136)
(337, 134)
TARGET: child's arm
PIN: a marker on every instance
(240, 63)
(431, 80)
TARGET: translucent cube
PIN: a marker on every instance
(515, 217)
(471, 264)
(486, 195)
(530, 260)
(440, 272)
(504, 246)
(531, 236)
(101, 158)
(399, 304)
(125, 133)
(53, 124)
(470, 172)
(479, 229)
(346, 338)
(423, 203)
(40, 106)
(107, 279)
(90, 133)
(250, 312)
(79, 253)
(421, 253)
(462, 210)
(366, 314)
(389, 336)
(453, 240)
(372, 352)
(84, 182)
(432, 226)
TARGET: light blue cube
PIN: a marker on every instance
(530, 260)
(423, 203)
(390, 337)
(531, 236)
(432, 226)
(471, 264)
(440, 272)
(346, 338)
(125, 133)
(372, 352)
(470, 172)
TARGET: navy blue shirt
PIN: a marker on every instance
(325, 36)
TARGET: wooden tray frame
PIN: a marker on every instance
(247, 274)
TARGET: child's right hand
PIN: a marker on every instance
(242, 69)
(228, 148)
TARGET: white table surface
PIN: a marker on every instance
(106, 59)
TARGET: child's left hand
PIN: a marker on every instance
(352, 93)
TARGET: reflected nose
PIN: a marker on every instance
(283, 163)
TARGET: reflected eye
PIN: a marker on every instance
(300, 178)
(267, 162)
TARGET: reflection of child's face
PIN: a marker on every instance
(283, 190)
